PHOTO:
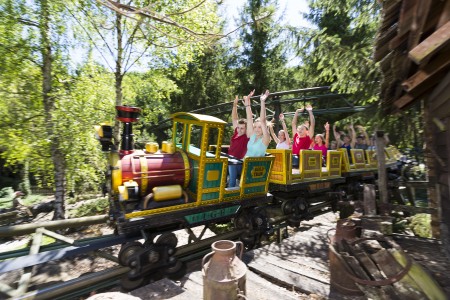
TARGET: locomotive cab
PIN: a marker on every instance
(192, 133)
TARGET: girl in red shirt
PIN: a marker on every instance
(302, 134)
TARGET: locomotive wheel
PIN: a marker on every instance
(287, 207)
(302, 206)
(169, 239)
(259, 219)
(177, 271)
(242, 221)
(128, 284)
(128, 250)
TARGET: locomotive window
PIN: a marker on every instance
(213, 138)
(195, 143)
(179, 135)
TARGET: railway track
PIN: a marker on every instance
(103, 279)
(110, 277)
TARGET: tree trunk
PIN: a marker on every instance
(25, 185)
(49, 107)
(118, 75)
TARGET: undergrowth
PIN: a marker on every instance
(92, 207)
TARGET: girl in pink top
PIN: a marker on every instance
(320, 143)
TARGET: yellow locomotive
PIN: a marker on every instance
(155, 190)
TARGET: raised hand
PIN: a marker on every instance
(281, 117)
(299, 110)
(247, 100)
(264, 96)
(235, 101)
(309, 107)
(327, 126)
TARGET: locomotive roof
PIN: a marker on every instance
(197, 117)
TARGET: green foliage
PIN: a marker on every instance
(421, 225)
(89, 103)
(337, 51)
(92, 208)
(206, 82)
(221, 228)
(262, 60)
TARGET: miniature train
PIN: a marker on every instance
(182, 185)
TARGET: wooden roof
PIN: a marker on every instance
(413, 48)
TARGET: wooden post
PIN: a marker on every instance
(432, 171)
(370, 207)
(382, 175)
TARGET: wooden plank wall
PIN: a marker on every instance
(438, 149)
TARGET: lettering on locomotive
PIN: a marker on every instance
(210, 215)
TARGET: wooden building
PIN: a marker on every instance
(413, 49)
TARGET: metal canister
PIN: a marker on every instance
(224, 272)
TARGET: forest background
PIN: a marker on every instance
(166, 56)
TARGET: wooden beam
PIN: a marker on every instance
(431, 45)
(428, 74)
(407, 98)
